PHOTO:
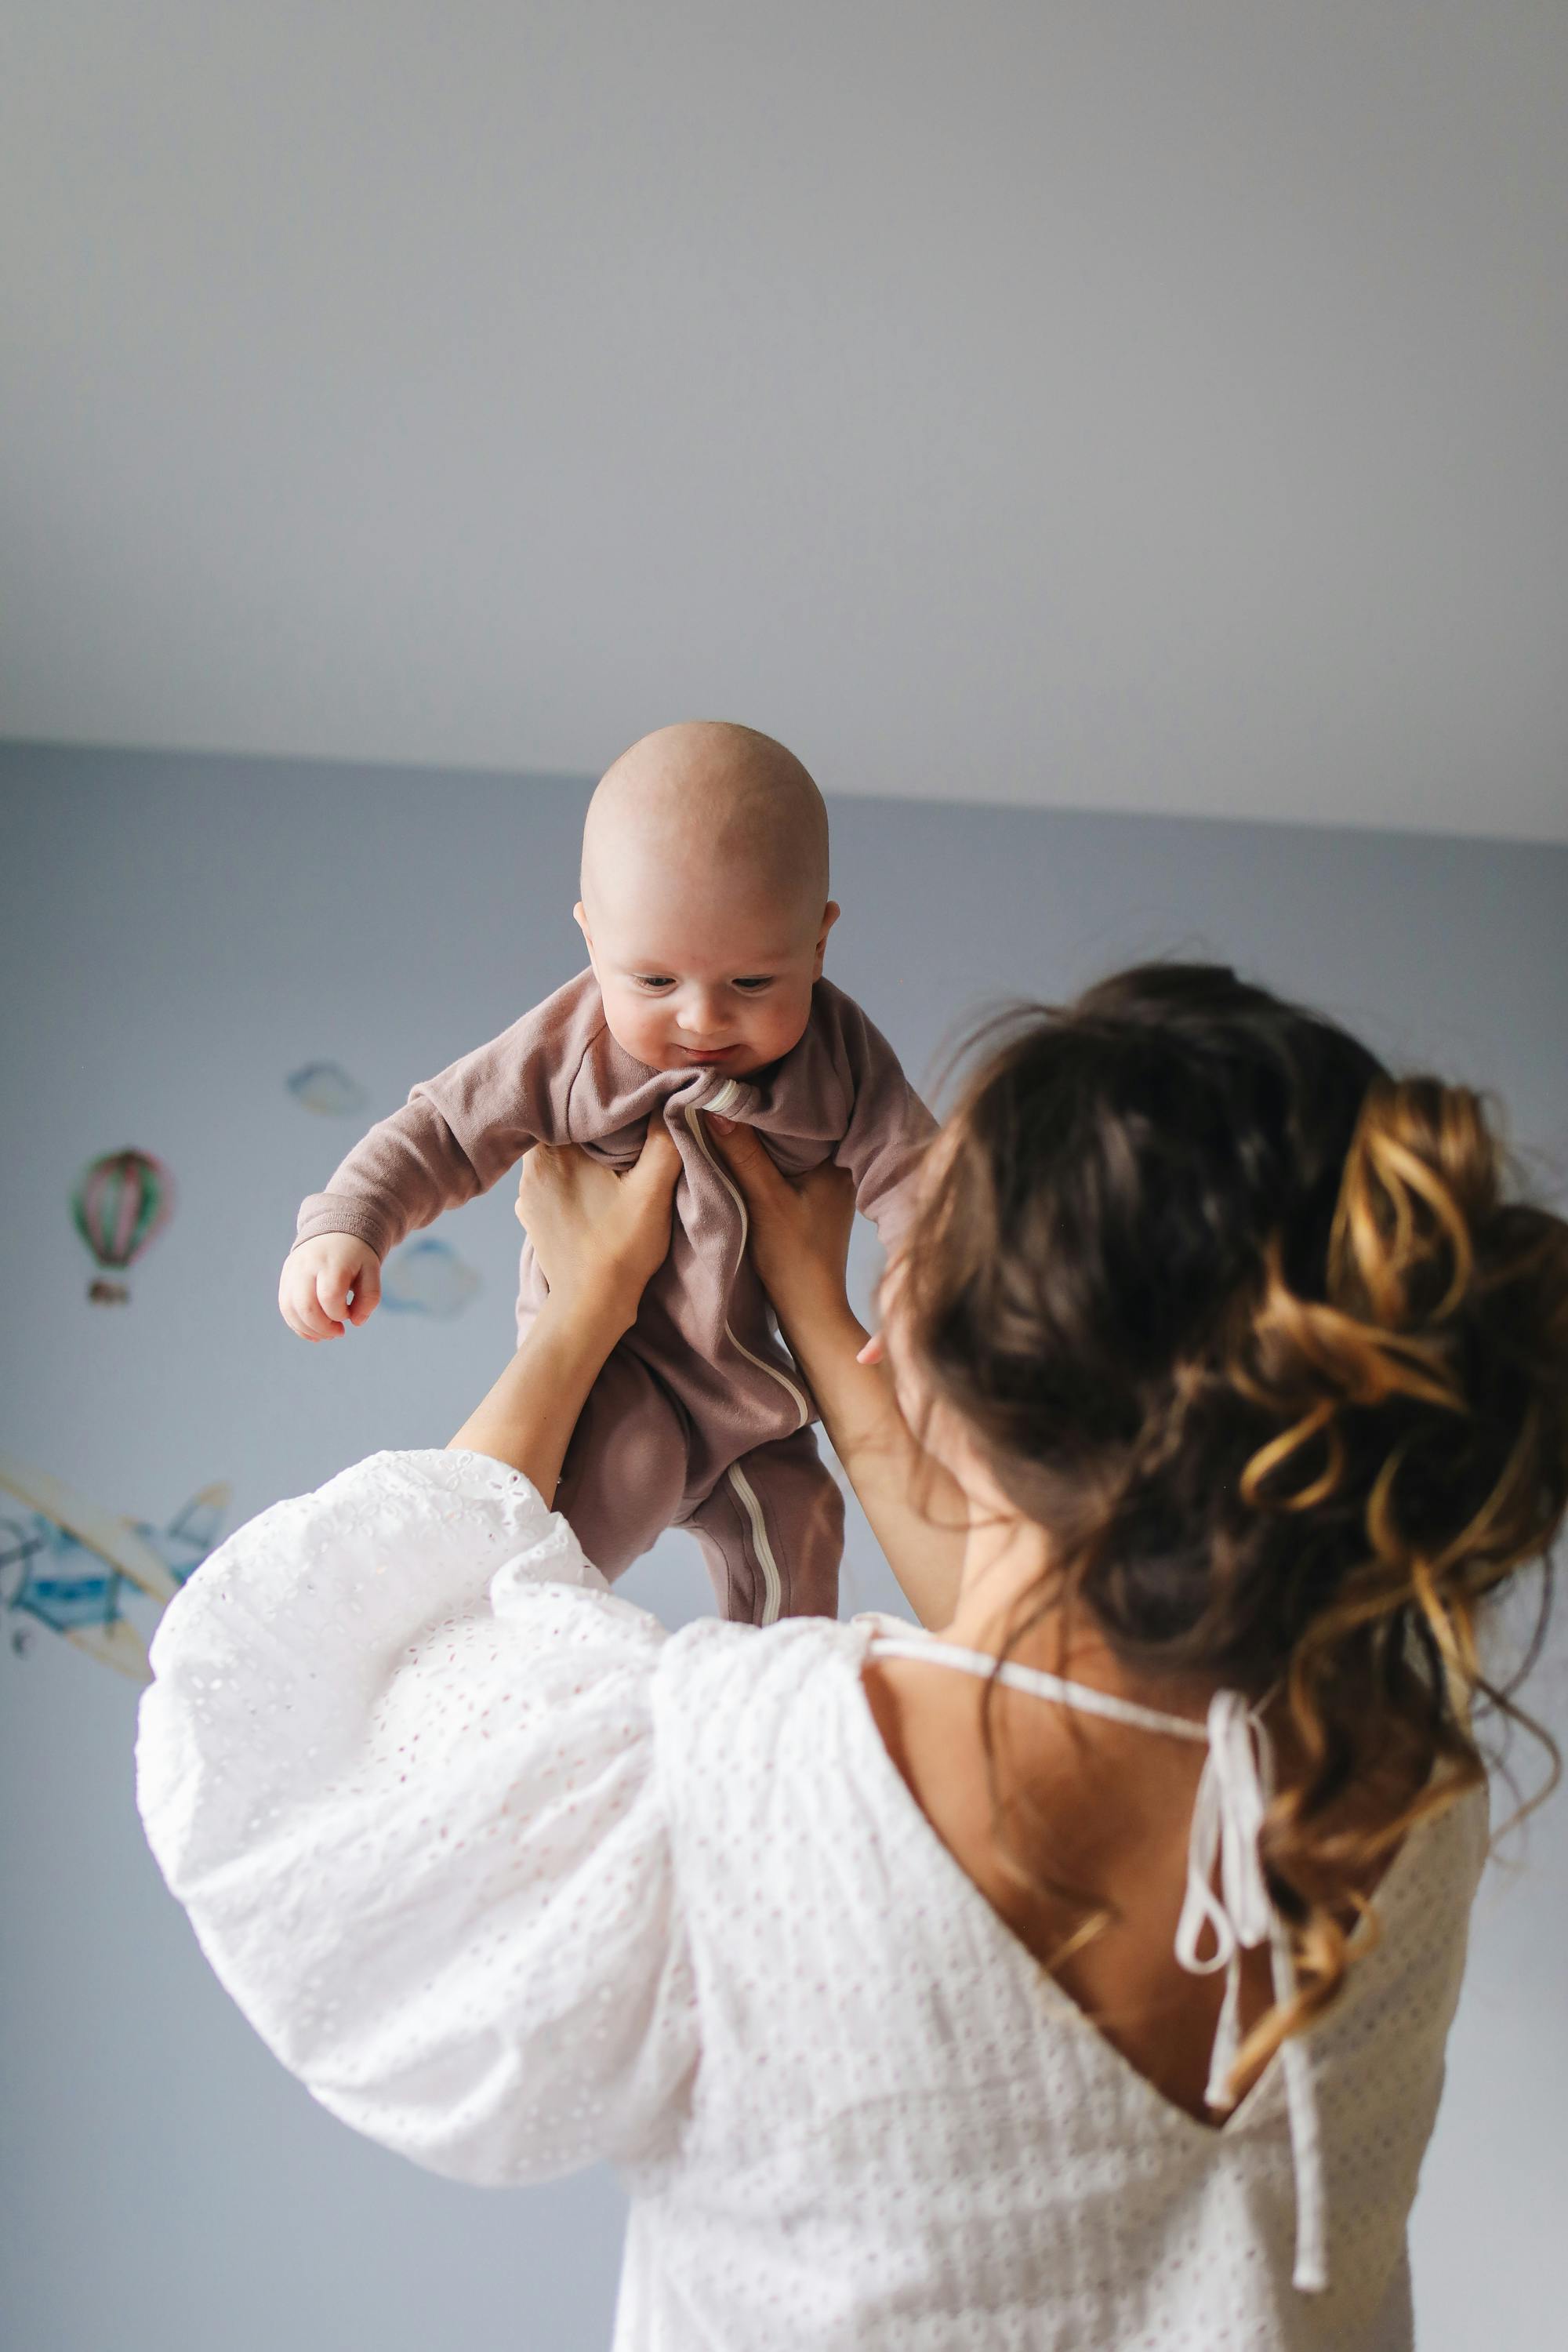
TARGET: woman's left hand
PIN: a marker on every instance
(594, 1230)
(800, 1229)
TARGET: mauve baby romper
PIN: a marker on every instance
(699, 1419)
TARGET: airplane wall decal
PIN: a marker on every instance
(72, 1561)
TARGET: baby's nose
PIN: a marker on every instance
(699, 1011)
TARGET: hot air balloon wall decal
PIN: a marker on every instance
(121, 1203)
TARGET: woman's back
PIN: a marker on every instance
(901, 2121)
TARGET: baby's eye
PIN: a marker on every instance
(751, 986)
(653, 979)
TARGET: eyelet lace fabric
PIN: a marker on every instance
(512, 1879)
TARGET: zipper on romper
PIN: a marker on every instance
(772, 1582)
(726, 1094)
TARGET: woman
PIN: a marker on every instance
(1092, 1998)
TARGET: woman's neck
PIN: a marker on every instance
(1005, 1559)
(1006, 1575)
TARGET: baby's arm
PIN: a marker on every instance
(453, 1138)
(889, 1125)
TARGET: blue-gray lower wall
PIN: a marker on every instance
(178, 934)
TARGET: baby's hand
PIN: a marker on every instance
(313, 1291)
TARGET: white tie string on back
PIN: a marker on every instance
(1227, 1817)
(1232, 1797)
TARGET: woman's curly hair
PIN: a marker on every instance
(1252, 1329)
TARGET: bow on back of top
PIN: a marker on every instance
(1234, 1793)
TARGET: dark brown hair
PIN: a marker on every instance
(1253, 1329)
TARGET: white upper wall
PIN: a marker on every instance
(1128, 406)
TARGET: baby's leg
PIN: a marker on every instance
(772, 1532)
(624, 1474)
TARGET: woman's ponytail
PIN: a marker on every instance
(1426, 1400)
(1276, 1349)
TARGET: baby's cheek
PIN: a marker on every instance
(782, 1023)
(637, 1027)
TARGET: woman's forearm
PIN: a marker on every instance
(527, 1419)
(916, 1512)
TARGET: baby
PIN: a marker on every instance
(706, 914)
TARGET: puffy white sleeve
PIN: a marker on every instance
(398, 1765)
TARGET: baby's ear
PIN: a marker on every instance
(579, 917)
(829, 916)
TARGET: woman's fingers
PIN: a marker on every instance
(587, 1221)
(776, 1200)
(646, 1191)
(658, 1163)
(533, 1160)
(749, 1161)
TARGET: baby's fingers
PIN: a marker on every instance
(332, 1286)
(291, 1316)
(367, 1290)
(305, 1316)
(299, 1306)
(319, 1320)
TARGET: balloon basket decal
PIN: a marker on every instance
(121, 1205)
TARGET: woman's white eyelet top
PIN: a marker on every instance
(511, 1879)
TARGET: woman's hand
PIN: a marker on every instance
(598, 1237)
(800, 1241)
(800, 1230)
(595, 1230)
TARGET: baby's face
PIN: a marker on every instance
(701, 971)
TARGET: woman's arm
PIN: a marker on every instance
(528, 1417)
(598, 1236)
(799, 1241)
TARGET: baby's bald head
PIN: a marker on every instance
(707, 796)
(705, 900)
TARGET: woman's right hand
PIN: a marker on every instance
(800, 1229)
(598, 1228)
